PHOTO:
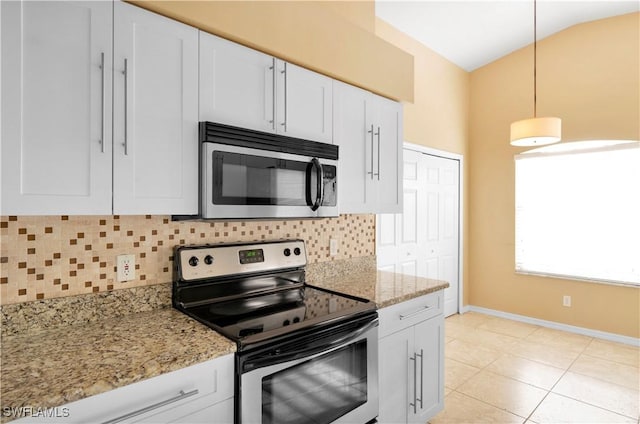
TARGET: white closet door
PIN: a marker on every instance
(56, 107)
(400, 237)
(442, 241)
(423, 240)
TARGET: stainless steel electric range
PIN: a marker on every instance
(304, 354)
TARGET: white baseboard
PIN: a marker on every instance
(555, 325)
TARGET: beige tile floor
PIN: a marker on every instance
(503, 371)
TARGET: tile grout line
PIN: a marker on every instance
(548, 391)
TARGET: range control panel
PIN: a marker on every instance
(212, 261)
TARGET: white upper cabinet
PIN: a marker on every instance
(155, 114)
(368, 129)
(304, 103)
(56, 107)
(384, 116)
(59, 155)
(249, 89)
(236, 84)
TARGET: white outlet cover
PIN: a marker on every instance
(126, 267)
(333, 247)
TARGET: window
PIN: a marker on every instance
(578, 211)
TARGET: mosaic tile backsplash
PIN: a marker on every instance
(44, 257)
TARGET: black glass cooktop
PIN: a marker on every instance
(267, 315)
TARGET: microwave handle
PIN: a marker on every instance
(315, 164)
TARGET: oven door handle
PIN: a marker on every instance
(315, 204)
(280, 357)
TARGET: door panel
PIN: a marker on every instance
(155, 114)
(56, 107)
(387, 233)
(388, 158)
(443, 186)
(236, 84)
(305, 102)
(394, 357)
(350, 108)
(428, 225)
(405, 227)
(429, 341)
(410, 217)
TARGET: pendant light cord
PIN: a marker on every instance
(535, 60)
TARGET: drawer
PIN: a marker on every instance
(405, 314)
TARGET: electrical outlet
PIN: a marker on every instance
(333, 247)
(126, 267)
(566, 301)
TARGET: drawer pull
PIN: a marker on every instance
(181, 395)
(416, 312)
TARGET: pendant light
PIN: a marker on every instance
(535, 131)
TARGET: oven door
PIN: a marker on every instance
(325, 377)
(241, 182)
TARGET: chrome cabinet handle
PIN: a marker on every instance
(421, 376)
(371, 132)
(378, 173)
(284, 71)
(415, 384)
(273, 93)
(126, 77)
(416, 312)
(102, 108)
(181, 395)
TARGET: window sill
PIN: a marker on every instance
(579, 279)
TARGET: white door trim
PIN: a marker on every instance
(460, 158)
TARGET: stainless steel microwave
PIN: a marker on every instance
(252, 174)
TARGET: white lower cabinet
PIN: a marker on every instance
(411, 367)
(201, 393)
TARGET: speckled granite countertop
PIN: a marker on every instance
(384, 288)
(61, 365)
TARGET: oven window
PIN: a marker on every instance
(256, 180)
(320, 390)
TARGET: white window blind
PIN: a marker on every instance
(578, 212)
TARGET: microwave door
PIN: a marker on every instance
(246, 183)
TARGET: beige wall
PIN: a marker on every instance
(439, 115)
(589, 76)
(329, 37)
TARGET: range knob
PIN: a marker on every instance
(287, 252)
(208, 259)
(286, 322)
(296, 251)
(193, 261)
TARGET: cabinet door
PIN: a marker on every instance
(56, 107)
(396, 376)
(429, 344)
(304, 103)
(388, 154)
(350, 132)
(236, 84)
(155, 114)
